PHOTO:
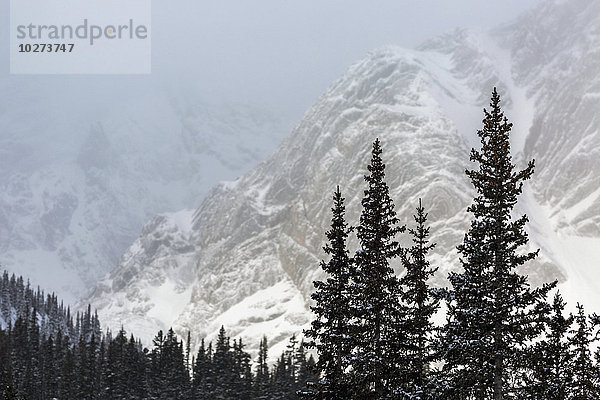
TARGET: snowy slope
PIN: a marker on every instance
(81, 172)
(251, 253)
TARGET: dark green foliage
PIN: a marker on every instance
(585, 372)
(116, 378)
(550, 376)
(203, 381)
(329, 332)
(375, 291)
(493, 313)
(419, 304)
(262, 378)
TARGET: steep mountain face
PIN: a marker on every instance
(246, 258)
(78, 182)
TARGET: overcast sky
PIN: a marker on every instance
(286, 53)
(276, 53)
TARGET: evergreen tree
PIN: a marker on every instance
(550, 376)
(48, 369)
(175, 377)
(20, 355)
(329, 331)
(375, 291)
(419, 304)
(585, 372)
(156, 378)
(262, 377)
(136, 369)
(304, 371)
(492, 312)
(203, 373)
(102, 365)
(116, 377)
(68, 387)
(283, 380)
(242, 386)
(223, 366)
(188, 351)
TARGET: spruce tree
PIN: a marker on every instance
(284, 380)
(305, 372)
(262, 377)
(329, 333)
(242, 374)
(203, 373)
(550, 374)
(136, 369)
(48, 369)
(419, 304)
(223, 366)
(585, 372)
(375, 290)
(492, 312)
(116, 377)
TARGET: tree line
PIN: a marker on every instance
(89, 366)
(373, 331)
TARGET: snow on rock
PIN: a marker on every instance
(79, 182)
(254, 247)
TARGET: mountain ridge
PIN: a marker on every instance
(69, 208)
(263, 232)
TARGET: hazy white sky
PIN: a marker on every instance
(287, 52)
(281, 54)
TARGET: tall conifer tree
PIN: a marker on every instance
(375, 290)
(492, 311)
(585, 372)
(262, 380)
(329, 333)
(419, 304)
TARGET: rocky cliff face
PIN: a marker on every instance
(78, 182)
(246, 258)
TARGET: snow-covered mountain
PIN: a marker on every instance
(85, 163)
(246, 258)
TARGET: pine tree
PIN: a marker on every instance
(329, 333)
(116, 377)
(304, 371)
(242, 385)
(136, 369)
(585, 372)
(419, 304)
(375, 290)
(492, 311)
(550, 376)
(48, 369)
(283, 382)
(156, 378)
(65, 364)
(174, 373)
(188, 362)
(223, 366)
(21, 355)
(202, 384)
(32, 362)
(68, 387)
(262, 377)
